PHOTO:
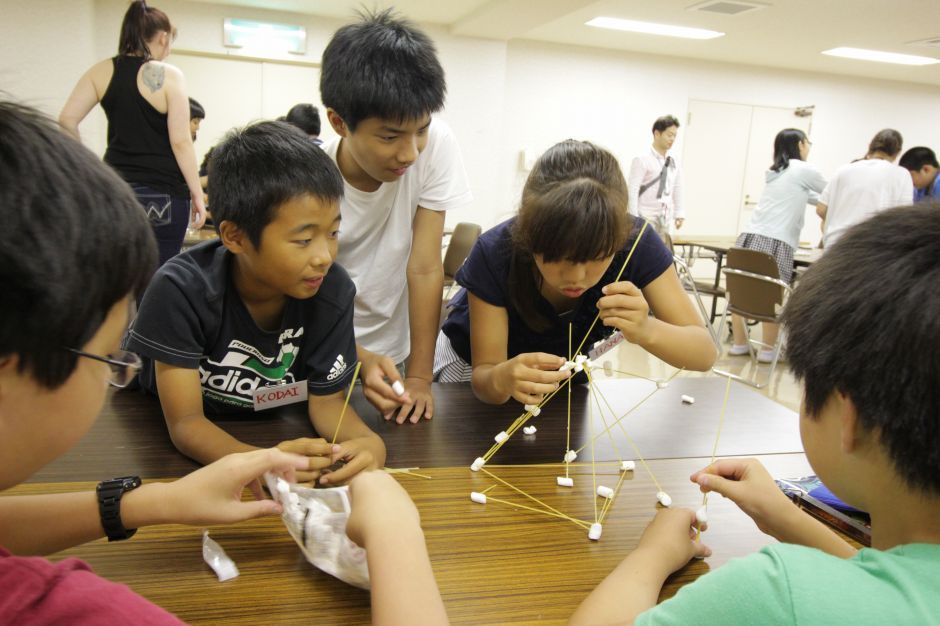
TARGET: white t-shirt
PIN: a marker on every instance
(376, 232)
(859, 190)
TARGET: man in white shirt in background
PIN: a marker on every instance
(655, 183)
(865, 187)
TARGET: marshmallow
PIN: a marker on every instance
(565, 481)
(479, 498)
(477, 464)
(533, 409)
(578, 367)
(529, 430)
(688, 400)
(608, 368)
(568, 366)
(501, 437)
(627, 466)
(605, 492)
(664, 498)
(701, 515)
(581, 358)
(580, 362)
(570, 456)
(398, 388)
(662, 384)
(595, 533)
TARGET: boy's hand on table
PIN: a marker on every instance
(213, 494)
(319, 453)
(378, 374)
(529, 377)
(751, 487)
(669, 540)
(378, 499)
(359, 454)
(420, 401)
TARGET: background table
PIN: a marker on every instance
(494, 564)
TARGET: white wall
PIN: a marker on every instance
(554, 92)
(36, 66)
(502, 98)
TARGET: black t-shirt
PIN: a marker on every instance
(485, 274)
(191, 316)
(138, 138)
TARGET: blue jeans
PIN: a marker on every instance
(169, 216)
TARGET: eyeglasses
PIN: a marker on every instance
(124, 365)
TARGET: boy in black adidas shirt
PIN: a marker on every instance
(260, 317)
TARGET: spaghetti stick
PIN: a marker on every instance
(521, 492)
(721, 422)
(352, 384)
(580, 523)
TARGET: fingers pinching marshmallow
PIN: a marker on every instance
(701, 515)
(664, 499)
(398, 388)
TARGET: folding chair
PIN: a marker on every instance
(689, 284)
(753, 290)
(461, 242)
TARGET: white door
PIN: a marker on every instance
(728, 149)
(713, 162)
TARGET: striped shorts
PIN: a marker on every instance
(780, 251)
(448, 366)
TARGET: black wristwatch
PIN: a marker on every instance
(109, 506)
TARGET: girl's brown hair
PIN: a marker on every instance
(574, 208)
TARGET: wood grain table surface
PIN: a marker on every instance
(495, 564)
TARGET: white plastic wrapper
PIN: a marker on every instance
(215, 557)
(316, 519)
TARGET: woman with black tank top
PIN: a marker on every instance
(149, 142)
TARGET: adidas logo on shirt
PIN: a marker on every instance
(339, 366)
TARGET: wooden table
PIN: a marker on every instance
(494, 563)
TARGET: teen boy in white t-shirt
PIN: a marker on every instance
(380, 82)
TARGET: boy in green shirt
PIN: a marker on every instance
(863, 328)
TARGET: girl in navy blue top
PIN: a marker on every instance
(556, 263)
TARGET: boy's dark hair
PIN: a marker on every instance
(195, 110)
(574, 208)
(257, 168)
(74, 242)
(786, 147)
(139, 26)
(304, 116)
(865, 321)
(888, 141)
(382, 67)
(664, 122)
(916, 158)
